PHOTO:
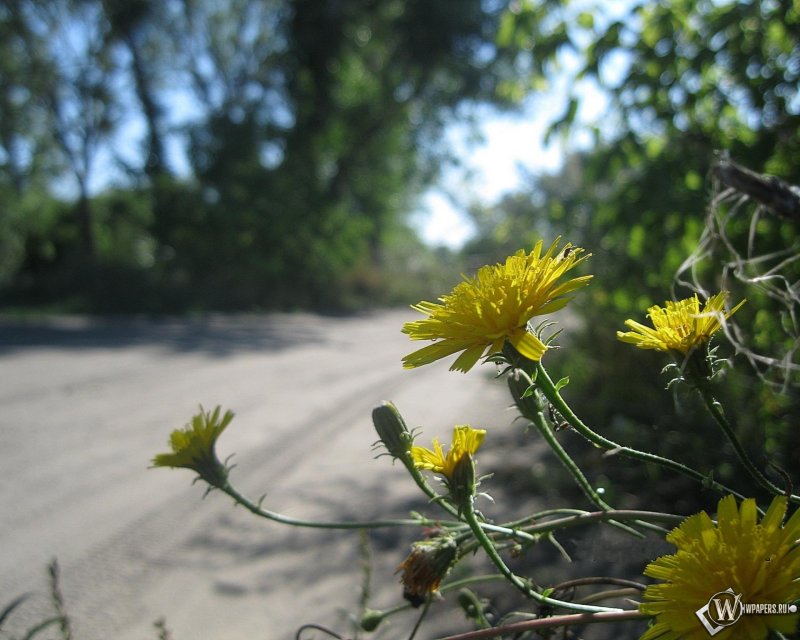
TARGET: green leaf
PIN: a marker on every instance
(506, 30)
(586, 20)
(562, 383)
(528, 392)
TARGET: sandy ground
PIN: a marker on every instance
(85, 406)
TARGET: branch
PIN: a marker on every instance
(778, 196)
(555, 621)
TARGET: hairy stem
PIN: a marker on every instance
(488, 546)
(549, 390)
(529, 406)
(715, 409)
(549, 623)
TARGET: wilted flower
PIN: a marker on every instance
(193, 447)
(679, 326)
(425, 567)
(481, 313)
(737, 558)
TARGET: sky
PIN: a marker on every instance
(512, 146)
(512, 149)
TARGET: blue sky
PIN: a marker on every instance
(513, 147)
(516, 141)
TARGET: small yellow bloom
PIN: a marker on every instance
(194, 446)
(679, 326)
(481, 313)
(465, 440)
(760, 562)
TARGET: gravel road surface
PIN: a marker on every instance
(87, 403)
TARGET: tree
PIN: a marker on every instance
(69, 40)
(310, 128)
(138, 25)
(320, 125)
(686, 81)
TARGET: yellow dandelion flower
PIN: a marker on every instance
(466, 440)
(194, 446)
(679, 326)
(734, 564)
(481, 313)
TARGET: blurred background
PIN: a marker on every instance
(332, 155)
(189, 156)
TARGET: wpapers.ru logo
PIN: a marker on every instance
(724, 609)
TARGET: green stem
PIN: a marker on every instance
(546, 513)
(548, 388)
(529, 407)
(588, 517)
(450, 586)
(420, 619)
(547, 623)
(457, 584)
(538, 420)
(472, 520)
(258, 510)
(314, 524)
(426, 488)
(715, 409)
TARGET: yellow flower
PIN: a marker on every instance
(466, 440)
(681, 325)
(194, 447)
(481, 313)
(760, 562)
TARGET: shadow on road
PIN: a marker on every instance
(218, 335)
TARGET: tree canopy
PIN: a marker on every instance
(689, 85)
(275, 142)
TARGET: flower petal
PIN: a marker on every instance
(528, 345)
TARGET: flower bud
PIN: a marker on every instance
(462, 482)
(371, 619)
(392, 430)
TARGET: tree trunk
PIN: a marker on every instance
(85, 223)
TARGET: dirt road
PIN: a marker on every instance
(85, 406)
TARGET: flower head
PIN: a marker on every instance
(679, 326)
(466, 440)
(482, 312)
(760, 562)
(194, 447)
(425, 567)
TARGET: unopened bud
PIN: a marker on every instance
(392, 430)
(371, 619)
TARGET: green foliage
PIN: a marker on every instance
(306, 152)
(686, 81)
